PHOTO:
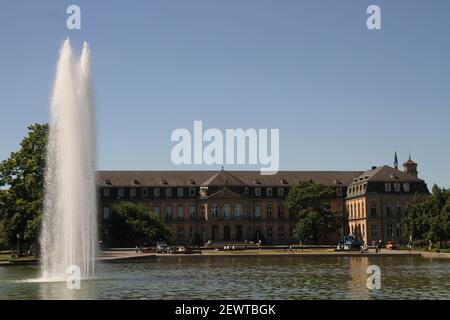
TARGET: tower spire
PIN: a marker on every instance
(396, 161)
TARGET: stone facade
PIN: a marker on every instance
(234, 206)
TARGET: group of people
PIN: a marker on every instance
(139, 250)
(376, 245)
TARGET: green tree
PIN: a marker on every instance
(196, 240)
(310, 201)
(22, 188)
(428, 218)
(133, 224)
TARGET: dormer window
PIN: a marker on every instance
(394, 177)
(284, 181)
(191, 181)
(107, 182)
(337, 181)
(204, 191)
(281, 192)
(164, 181)
(135, 182)
(256, 181)
(406, 187)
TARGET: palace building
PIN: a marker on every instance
(233, 206)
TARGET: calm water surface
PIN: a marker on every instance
(243, 278)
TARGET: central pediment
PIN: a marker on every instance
(226, 193)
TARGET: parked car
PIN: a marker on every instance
(161, 247)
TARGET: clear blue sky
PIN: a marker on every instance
(342, 96)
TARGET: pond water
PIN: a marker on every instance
(242, 278)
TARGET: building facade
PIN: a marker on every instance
(234, 206)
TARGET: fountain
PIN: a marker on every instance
(69, 226)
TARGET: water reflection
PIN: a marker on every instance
(243, 278)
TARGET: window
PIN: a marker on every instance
(269, 233)
(373, 209)
(258, 192)
(238, 210)
(192, 213)
(191, 232)
(168, 192)
(106, 192)
(133, 192)
(281, 233)
(398, 208)
(389, 230)
(180, 233)
(269, 192)
(374, 229)
(215, 210)
(387, 187)
(281, 192)
(203, 232)
(180, 212)
(180, 192)
(157, 211)
(121, 192)
(389, 210)
(246, 190)
(168, 212)
(406, 187)
(192, 192)
(269, 210)
(156, 192)
(226, 211)
(257, 211)
(397, 187)
(145, 193)
(204, 191)
(339, 192)
(280, 211)
(399, 230)
(105, 213)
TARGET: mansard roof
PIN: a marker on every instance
(386, 174)
(221, 178)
